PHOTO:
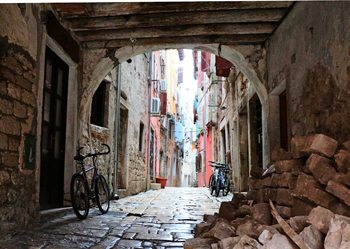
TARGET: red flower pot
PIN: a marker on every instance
(162, 181)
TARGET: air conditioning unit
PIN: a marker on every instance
(163, 85)
(155, 106)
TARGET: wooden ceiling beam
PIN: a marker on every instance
(177, 31)
(181, 18)
(112, 9)
(224, 40)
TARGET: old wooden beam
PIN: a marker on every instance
(181, 18)
(287, 229)
(176, 31)
(224, 40)
(107, 9)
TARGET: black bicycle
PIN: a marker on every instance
(82, 192)
(219, 180)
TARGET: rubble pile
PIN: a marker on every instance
(301, 201)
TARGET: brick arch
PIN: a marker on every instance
(108, 63)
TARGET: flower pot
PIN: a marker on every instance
(162, 181)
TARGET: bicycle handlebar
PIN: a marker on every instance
(218, 164)
(80, 157)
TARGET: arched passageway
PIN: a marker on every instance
(105, 65)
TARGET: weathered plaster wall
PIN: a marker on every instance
(18, 110)
(310, 51)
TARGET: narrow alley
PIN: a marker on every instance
(162, 218)
(151, 103)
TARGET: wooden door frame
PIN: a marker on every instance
(71, 114)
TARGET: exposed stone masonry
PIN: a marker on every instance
(17, 118)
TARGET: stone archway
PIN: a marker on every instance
(107, 60)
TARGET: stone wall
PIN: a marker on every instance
(310, 53)
(18, 111)
(134, 84)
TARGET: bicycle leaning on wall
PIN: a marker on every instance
(82, 192)
(219, 180)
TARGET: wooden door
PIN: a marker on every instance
(53, 134)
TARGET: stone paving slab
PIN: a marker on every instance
(162, 218)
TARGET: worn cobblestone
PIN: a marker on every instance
(162, 218)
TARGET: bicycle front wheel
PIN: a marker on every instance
(102, 194)
(79, 196)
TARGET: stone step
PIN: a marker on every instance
(155, 186)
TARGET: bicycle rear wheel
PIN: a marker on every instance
(102, 194)
(226, 189)
(212, 184)
(217, 188)
(79, 196)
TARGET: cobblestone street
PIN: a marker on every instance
(155, 219)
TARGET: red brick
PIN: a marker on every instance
(285, 212)
(298, 223)
(201, 228)
(307, 188)
(301, 207)
(341, 209)
(285, 180)
(346, 145)
(254, 183)
(298, 144)
(267, 194)
(292, 166)
(342, 159)
(340, 191)
(284, 197)
(279, 154)
(221, 229)
(342, 178)
(261, 213)
(266, 182)
(321, 168)
(227, 210)
(321, 144)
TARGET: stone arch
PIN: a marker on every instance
(108, 62)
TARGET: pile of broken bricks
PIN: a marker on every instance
(301, 201)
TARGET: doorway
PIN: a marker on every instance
(53, 134)
(256, 133)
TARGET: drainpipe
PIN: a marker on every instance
(116, 130)
(205, 134)
(148, 164)
(166, 147)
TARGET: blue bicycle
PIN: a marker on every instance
(219, 180)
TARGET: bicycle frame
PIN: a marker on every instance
(80, 158)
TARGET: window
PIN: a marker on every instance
(142, 127)
(99, 106)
